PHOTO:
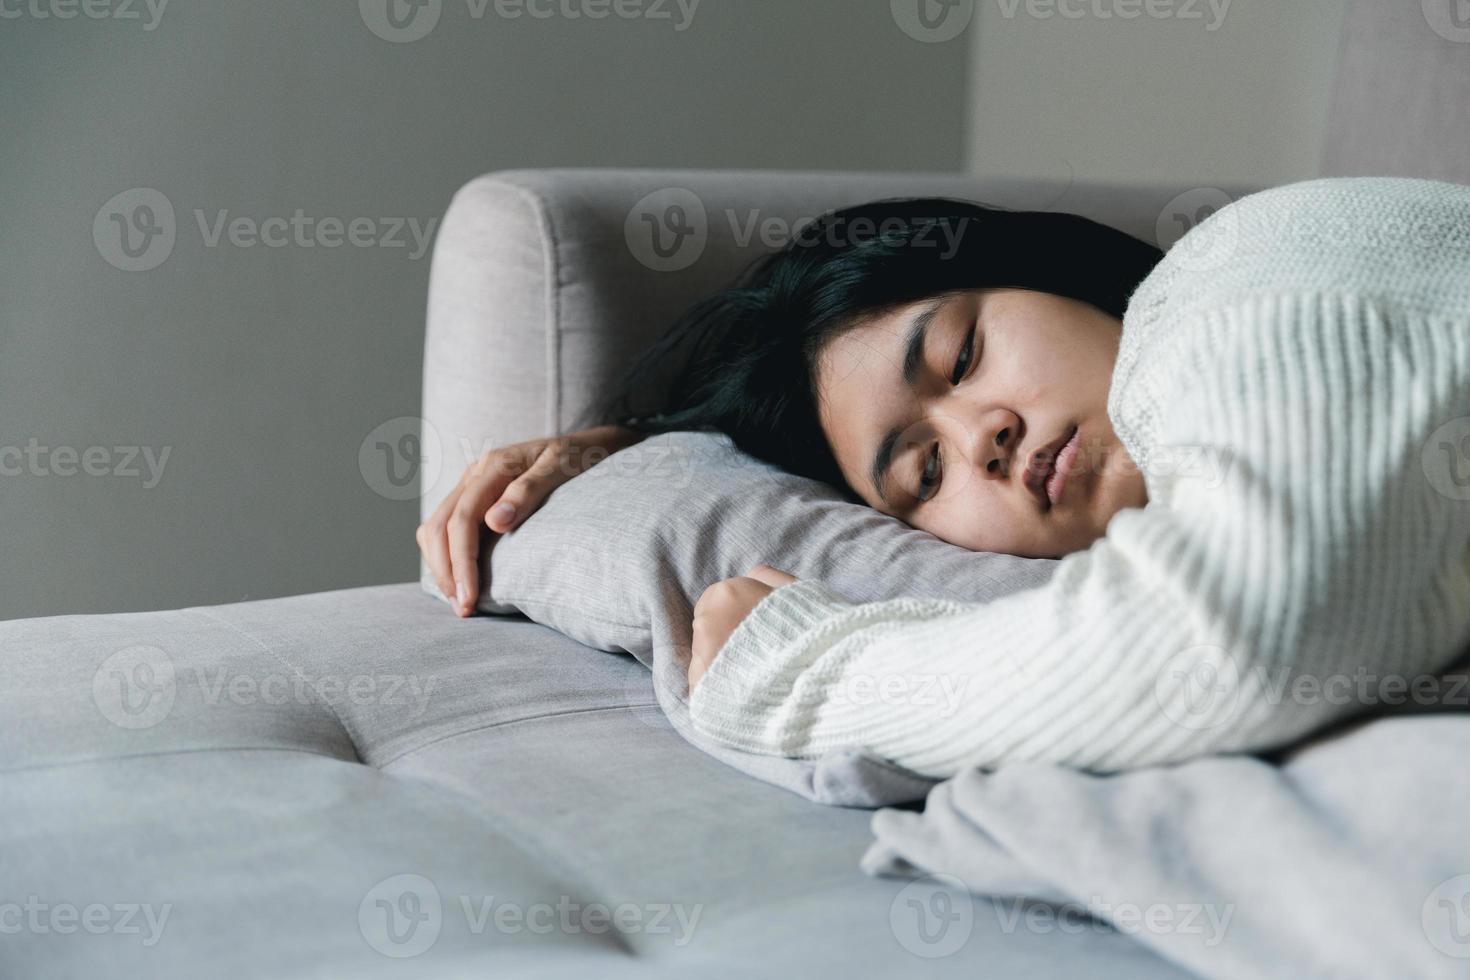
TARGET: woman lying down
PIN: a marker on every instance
(1037, 384)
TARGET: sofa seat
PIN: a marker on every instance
(265, 784)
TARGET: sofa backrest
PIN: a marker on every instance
(1401, 100)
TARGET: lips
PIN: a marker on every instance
(1041, 466)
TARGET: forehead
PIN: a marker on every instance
(871, 351)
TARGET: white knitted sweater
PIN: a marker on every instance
(1293, 380)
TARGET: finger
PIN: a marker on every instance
(487, 478)
(463, 535)
(773, 577)
(528, 491)
(436, 557)
(435, 547)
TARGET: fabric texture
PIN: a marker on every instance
(1348, 860)
(1392, 56)
(617, 557)
(1294, 383)
(282, 788)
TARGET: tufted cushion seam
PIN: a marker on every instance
(507, 722)
(157, 753)
(352, 737)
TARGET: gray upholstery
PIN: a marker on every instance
(1401, 102)
(536, 770)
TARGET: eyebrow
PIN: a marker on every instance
(913, 359)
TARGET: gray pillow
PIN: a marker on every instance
(617, 557)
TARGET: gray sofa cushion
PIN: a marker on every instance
(237, 823)
(617, 557)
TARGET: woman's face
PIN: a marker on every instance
(964, 443)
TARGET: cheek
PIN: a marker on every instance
(976, 519)
(1038, 372)
(1051, 362)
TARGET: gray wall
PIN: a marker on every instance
(258, 369)
(1206, 92)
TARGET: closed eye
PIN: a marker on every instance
(962, 363)
(932, 473)
(930, 479)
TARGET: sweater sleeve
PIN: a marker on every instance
(1097, 669)
(1308, 549)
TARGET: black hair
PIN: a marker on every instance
(752, 348)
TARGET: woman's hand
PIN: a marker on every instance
(500, 490)
(722, 607)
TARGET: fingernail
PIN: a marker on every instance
(462, 593)
(502, 513)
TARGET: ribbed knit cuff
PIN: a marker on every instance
(753, 673)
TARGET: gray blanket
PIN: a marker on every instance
(1349, 857)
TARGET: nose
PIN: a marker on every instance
(995, 445)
